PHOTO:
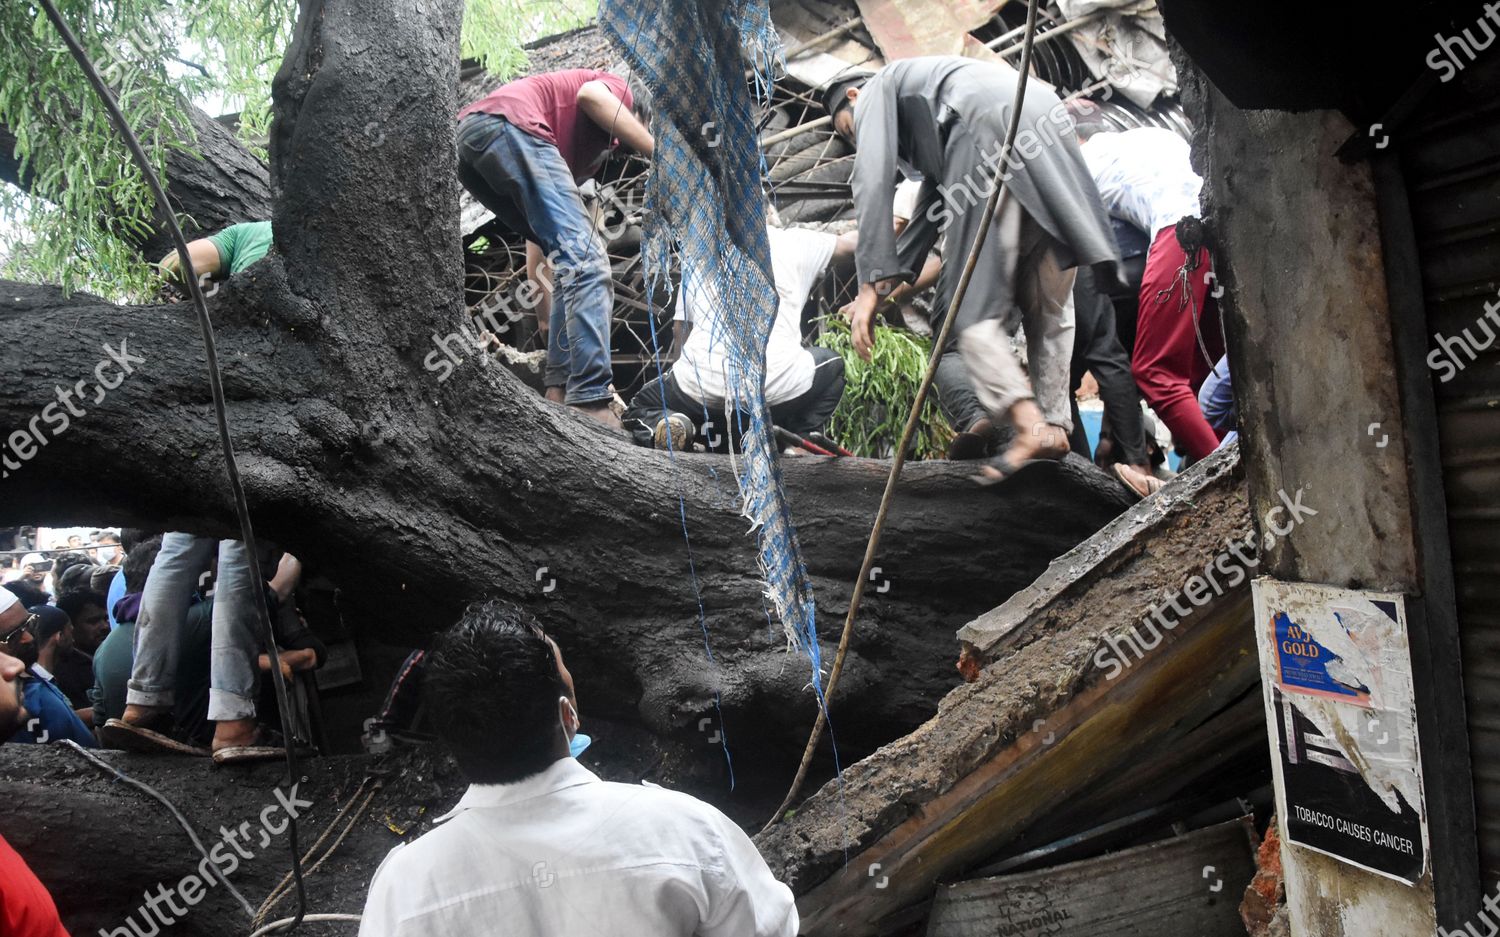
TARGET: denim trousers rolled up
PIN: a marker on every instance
(233, 675)
(527, 184)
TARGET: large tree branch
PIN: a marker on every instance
(419, 496)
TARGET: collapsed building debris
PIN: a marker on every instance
(1050, 739)
(1181, 885)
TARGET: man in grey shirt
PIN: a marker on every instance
(945, 118)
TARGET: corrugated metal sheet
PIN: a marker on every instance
(1451, 157)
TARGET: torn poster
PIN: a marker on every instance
(1337, 669)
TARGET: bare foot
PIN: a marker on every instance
(556, 394)
(1035, 437)
(140, 715)
(234, 732)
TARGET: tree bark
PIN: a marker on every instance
(101, 847)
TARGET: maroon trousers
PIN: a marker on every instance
(1167, 364)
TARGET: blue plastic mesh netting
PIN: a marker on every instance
(704, 194)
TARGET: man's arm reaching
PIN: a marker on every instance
(203, 253)
(609, 112)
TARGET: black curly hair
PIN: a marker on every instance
(492, 685)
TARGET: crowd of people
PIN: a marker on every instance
(1049, 272)
(139, 641)
(144, 642)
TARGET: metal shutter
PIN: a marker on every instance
(1451, 160)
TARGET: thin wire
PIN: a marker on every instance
(216, 387)
(152, 792)
(289, 922)
(649, 293)
(899, 457)
(280, 891)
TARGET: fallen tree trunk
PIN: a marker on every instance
(103, 849)
(1064, 727)
(416, 506)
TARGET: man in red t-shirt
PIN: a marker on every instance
(26, 910)
(521, 152)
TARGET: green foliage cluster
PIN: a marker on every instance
(87, 199)
(87, 202)
(878, 394)
(494, 30)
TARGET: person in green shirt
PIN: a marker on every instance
(223, 254)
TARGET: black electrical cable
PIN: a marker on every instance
(216, 386)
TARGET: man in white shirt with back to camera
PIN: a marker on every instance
(541, 847)
(803, 385)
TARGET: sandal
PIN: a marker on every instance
(1001, 468)
(151, 738)
(976, 442)
(266, 747)
(1141, 485)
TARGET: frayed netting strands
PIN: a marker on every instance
(704, 198)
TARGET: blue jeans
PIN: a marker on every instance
(529, 187)
(163, 616)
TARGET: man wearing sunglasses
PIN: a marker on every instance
(49, 715)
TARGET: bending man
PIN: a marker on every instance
(1145, 177)
(946, 117)
(522, 150)
(803, 385)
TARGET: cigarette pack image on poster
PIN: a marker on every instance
(1339, 692)
(1330, 807)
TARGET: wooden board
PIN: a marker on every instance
(1186, 885)
(906, 28)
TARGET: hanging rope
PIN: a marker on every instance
(990, 208)
(216, 387)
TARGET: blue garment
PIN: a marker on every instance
(49, 716)
(579, 744)
(116, 593)
(526, 183)
(1216, 397)
(707, 199)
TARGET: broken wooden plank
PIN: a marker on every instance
(906, 28)
(1185, 885)
(1048, 724)
(1094, 561)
